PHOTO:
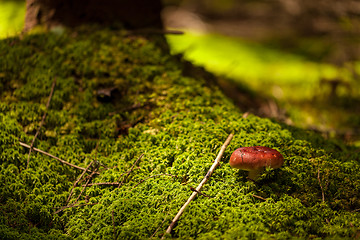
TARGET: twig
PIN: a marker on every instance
(86, 184)
(143, 180)
(52, 156)
(322, 190)
(77, 181)
(71, 206)
(193, 189)
(198, 188)
(130, 170)
(41, 123)
(103, 165)
(256, 196)
(167, 214)
(102, 183)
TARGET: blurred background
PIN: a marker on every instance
(296, 61)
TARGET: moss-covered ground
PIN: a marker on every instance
(297, 78)
(179, 122)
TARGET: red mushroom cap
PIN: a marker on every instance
(256, 158)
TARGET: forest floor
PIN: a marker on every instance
(123, 132)
(299, 80)
(266, 67)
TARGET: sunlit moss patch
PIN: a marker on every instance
(179, 123)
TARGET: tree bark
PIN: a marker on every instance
(131, 14)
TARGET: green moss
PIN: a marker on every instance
(299, 85)
(179, 123)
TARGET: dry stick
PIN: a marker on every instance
(86, 184)
(77, 181)
(259, 197)
(108, 183)
(130, 170)
(160, 224)
(166, 174)
(41, 123)
(70, 206)
(193, 189)
(123, 174)
(198, 188)
(102, 183)
(52, 156)
(322, 190)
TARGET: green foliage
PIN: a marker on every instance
(301, 86)
(179, 124)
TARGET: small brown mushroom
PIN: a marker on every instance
(255, 159)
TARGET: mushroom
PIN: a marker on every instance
(255, 159)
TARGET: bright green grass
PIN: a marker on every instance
(11, 17)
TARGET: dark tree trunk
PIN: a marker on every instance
(129, 13)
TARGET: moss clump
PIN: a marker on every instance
(179, 123)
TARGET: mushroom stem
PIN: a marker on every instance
(254, 174)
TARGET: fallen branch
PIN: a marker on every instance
(71, 206)
(77, 181)
(52, 156)
(321, 187)
(86, 184)
(102, 183)
(41, 123)
(128, 173)
(167, 214)
(193, 189)
(117, 183)
(198, 188)
(259, 197)
(166, 174)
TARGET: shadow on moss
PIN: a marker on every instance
(179, 123)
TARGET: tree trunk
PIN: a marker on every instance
(129, 13)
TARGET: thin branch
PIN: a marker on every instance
(117, 183)
(322, 190)
(102, 183)
(198, 188)
(41, 123)
(86, 184)
(259, 197)
(167, 214)
(77, 181)
(193, 189)
(71, 206)
(143, 180)
(52, 156)
(130, 170)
